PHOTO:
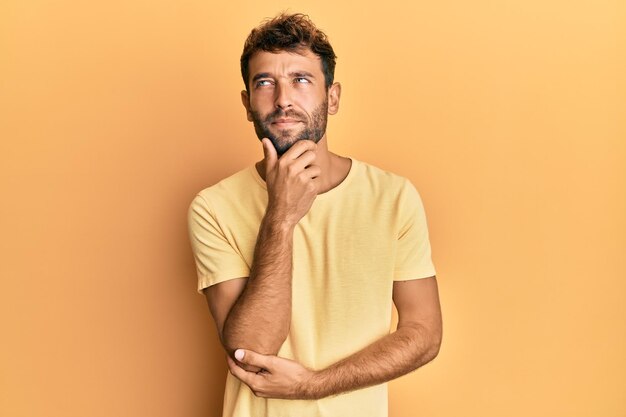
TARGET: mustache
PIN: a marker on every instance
(280, 113)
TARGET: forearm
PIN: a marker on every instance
(396, 354)
(261, 316)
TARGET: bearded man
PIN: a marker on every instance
(301, 255)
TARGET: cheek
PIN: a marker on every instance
(262, 98)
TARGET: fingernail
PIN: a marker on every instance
(239, 354)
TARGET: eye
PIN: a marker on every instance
(302, 80)
(262, 83)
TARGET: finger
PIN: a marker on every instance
(252, 358)
(247, 367)
(239, 373)
(299, 148)
(270, 153)
(304, 160)
(313, 171)
(231, 363)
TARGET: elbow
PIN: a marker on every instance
(265, 340)
(434, 344)
(428, 338)
(434, 350)
(255, 347)
(264, 346)
(232, 344)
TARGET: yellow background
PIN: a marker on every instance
(508, 116)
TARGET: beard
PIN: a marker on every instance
(313, 129)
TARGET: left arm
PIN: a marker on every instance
(415, 342)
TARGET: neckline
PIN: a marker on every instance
(323, 196)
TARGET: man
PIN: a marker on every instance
(301, 255)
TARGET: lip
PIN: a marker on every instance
(285, 121)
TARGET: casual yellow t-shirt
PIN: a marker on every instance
(348, 249)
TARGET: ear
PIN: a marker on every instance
(334, 93)
(245, 100)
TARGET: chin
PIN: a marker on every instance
(282, 146)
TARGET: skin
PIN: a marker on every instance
(253, 314)
(415, 342)
(289, 85)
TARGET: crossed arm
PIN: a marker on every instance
(253, 314)
(415, 342)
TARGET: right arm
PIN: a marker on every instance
(262, 313)
(255, 313)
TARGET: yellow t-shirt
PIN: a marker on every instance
(348, 249)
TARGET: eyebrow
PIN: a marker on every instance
(291, 74)
(260, 75)
(301, 74)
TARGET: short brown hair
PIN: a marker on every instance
(289, 32)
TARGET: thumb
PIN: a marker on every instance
(270, 153)
(252, 358)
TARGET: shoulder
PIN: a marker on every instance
(380, 180)
(230, 188)
(394, 191)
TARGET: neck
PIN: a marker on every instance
(334, 167)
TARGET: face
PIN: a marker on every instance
(288, 100)
(283, 135)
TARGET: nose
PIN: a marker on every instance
(283, 96)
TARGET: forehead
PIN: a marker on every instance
(284, 62)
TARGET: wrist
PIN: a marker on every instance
(315, 387)
(278, 222)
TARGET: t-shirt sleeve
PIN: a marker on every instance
(215, 258)
(413, 256)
